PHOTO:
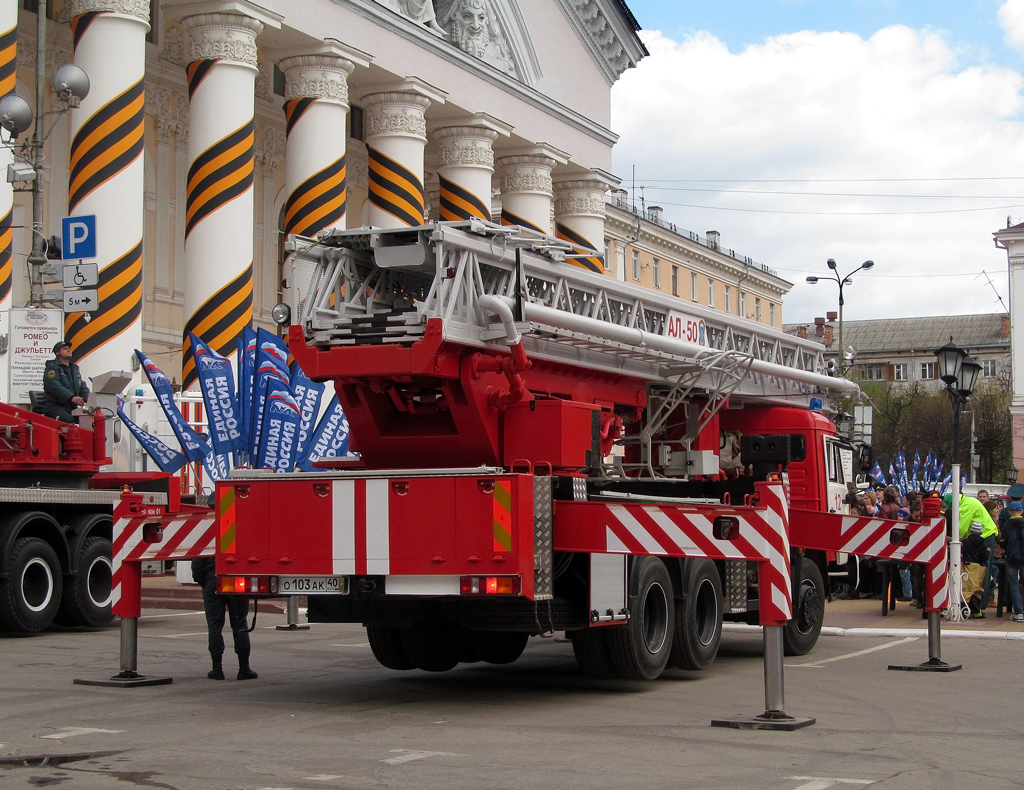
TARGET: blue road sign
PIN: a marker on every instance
(78, 237)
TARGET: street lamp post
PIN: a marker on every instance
(959, 371)
(841, 281)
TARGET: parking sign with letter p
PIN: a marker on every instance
(78, 237)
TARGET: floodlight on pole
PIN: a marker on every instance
(841, 282)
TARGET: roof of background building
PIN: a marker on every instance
(918, 334)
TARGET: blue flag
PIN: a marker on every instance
(218, 387)
(308, 394)
(193, 446)
(246, 365)
(330, 440)
(217, 466)
(168, 459)
(878, 474)
(271, 362)
(280, 434)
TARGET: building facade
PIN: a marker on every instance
(641, 247)
(902, 350)
(213, 129)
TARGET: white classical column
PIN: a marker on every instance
(465, 167)
(1012, 240)
(219, 222)
(396, 135)
(106, 176)
(579, 213)
(8, 80)
(316, 117)
(526, 195)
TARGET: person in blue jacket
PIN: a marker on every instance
(63, 387)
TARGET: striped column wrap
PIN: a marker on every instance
(120, 297)
(459, 203)
(184, 537)
(395, 189)
(316, 115)
(580, 244)
(8, 80)
(219, 322)
(105, 179)
(508, 218)
(110, 141)
(6, 244)
(218, 176)
(319, 201)
(465, 169)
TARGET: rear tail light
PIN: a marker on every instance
(253, 585)
(490, 585)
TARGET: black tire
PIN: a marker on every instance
(590, 646)
(698, 631)
(432, 647)
(387, 646)
(498, 647)
(800, 635)
(640, 650)
(30, 596)
(86, 601)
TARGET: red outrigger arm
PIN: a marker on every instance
(758, 532)
(146, 531)
(881, 538)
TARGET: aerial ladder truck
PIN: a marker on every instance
(541, 449)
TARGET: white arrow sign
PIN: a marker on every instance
(81, 301)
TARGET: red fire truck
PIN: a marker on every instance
(545, 449)
(56, 524)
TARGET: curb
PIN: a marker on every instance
(888, 632)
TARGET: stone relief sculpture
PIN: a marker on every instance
(421, 11)
(473, 27)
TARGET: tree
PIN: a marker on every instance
(912, 418)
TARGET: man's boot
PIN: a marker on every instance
(244, 672)
(217, 673)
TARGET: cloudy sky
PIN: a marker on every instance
(804, 130)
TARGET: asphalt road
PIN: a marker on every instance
(323, 714)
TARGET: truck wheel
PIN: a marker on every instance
(432, 647)
(801, 633)
(641, 649)
(590, 646)
(698, 627)
(30, 596)
(86, 600)
(498, 647)
(387, 647)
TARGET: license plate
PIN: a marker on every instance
(317, 585)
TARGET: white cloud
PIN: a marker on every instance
(835, 106)
(1011, 18)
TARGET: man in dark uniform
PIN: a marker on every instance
(63, 385)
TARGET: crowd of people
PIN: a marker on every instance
(989, 528)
